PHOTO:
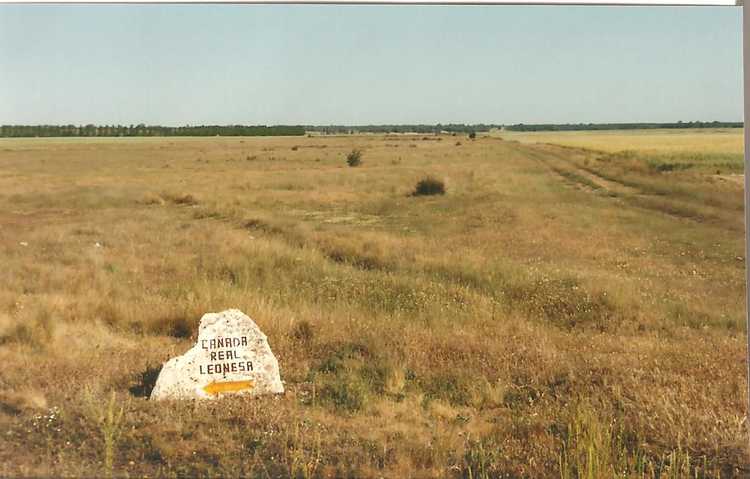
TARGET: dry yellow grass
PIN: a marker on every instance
(558, 313)
(718, 140)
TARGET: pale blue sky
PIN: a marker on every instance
(323, 64)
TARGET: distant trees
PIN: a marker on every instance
(405, 128)
(90, 130)
(467, 129)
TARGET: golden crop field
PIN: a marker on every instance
(572, 306)
(690, 141)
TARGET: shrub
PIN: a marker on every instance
(354, 158)
(429, 186)
(472, 135)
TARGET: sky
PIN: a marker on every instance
(344, 64)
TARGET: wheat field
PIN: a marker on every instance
(704, 140)
(572, 306)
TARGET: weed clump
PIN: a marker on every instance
(303, 332)
(564, 303)
(176, 325)
(181, 199)
(665, 167)
(593, 446)
(429, 186)
(349, 376)
(451, 387)
(482, 458)
(263, 226)
(35, 331)
(152, 199)
(347, 393)
(354, 158)
(109, 418)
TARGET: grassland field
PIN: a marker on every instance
(573, 306)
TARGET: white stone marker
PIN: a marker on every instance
(231, 356)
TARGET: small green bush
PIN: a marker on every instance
(429, 186)
(354, 158)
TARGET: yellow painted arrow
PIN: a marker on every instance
(215, 388)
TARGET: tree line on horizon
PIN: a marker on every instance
(403, 128)
(142, 130)
(20, 131)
